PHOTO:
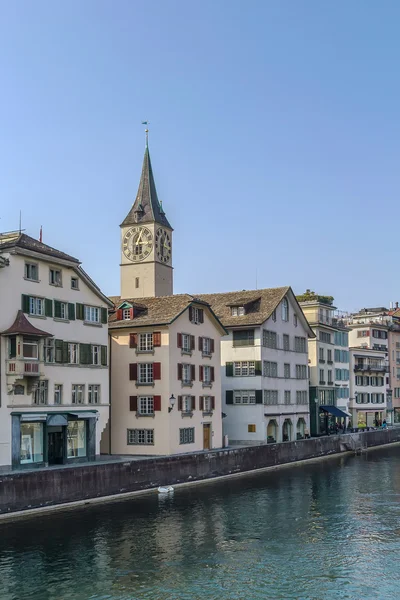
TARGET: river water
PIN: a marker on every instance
(326, 530)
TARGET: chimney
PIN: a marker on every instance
(397, 305)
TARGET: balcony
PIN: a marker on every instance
(365, 367)
(20, 368)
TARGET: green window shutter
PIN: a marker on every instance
(13, 347)
(229, 396)
(80, 311)
(59, 351)
(229, 369)
(258, 369)
(259, 397)
(71, 311)
(25, 303)
(57, 309)
(48, 307)
(104, 316)
(85, 354)
(104, 356)
(65, 352)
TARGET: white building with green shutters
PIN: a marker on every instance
(53, 357)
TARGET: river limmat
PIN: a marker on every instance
(323, 530)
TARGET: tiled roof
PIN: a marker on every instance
(264, 303)
(156, 311)
(21, 240)
(21, 325)
(146, 208)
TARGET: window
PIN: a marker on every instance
(30, 348)
(74, 283)
(397, 392)
(301, 371)
(207, 404)
(145, 342)
(136, 282)
(146, 405)
(270, 369)
(295, 320)
(40, 395)
(237, 311)
(273, 315)
(73, 354)
(330, 382)
(145, 373)
(301, 397)
(76, 439)
(378, 333)
(58, 393)
(244, 368)
(187, 404)
(36, 306)
(325, 337)
(31, 449)
(300, 344)
(126, 314)
(286, 342)
(207, 374)
(55, 277)
(341, 338)
(187, 373)
(186, 342)
(363, 333)
(96, 355)
(206, 345)
(245, 337)
(196, 315)
(270, 397)
(287, 395)
(94, 394)
(286, 371)
(92, 314)
(78, 393)
(321, 355)
(244, 397)
(31, 271)
(186, 435)
(321, 376)
(251, 428)
(329, 356)
(60, 310)
(285, 310)
(270, 339)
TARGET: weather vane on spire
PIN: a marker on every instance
(146, 131)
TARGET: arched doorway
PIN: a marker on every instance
(301, 425)
(287, 430)
(272, 431)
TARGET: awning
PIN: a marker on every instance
(57, 420)
(30, 418)
(334, 410)
(84, 415)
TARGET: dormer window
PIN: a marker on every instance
(237, 311)
(126, 314)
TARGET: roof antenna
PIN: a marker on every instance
(20, 222)
(146, 132)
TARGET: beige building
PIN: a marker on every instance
(53, 356)
(165, 349)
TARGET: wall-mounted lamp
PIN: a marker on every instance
(172, 403)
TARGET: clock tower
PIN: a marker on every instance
(146, 243)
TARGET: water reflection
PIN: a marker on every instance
(324, 530)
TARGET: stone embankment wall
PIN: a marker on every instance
(46, 487)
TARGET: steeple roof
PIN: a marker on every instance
(146, 208)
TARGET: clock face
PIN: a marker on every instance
(163, 245)
(137, 243)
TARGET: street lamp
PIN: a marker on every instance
(172, 403)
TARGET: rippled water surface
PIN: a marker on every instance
(328, 530)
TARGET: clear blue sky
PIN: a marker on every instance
(274, 137)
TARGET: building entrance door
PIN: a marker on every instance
(55, 445)
(207, 436)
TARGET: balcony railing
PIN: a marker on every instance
(23, 368)
(375, 368)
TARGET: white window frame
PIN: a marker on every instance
(36, 306)
(49, 351)
(96, 355)
(270, 368)
(73, 353)
(93, 393)
(140, 437)
(187, 404)
(91, 314)
(186, 435)
(206, 347)
(78, 393)
(41, 394)
(207, 404)
(186, 342)
(287, 397)
(206, 374)
(55, 277)
(186, 373)
(145, 405)
(244, 397)
(73, 286)
(58, 393)
(271, 397)
(145, 342)
(27, 341)
(145, 374)
(238, 311)
(285, 310)
(29, 267)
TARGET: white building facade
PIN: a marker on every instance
(264, 365)
(54, 357)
